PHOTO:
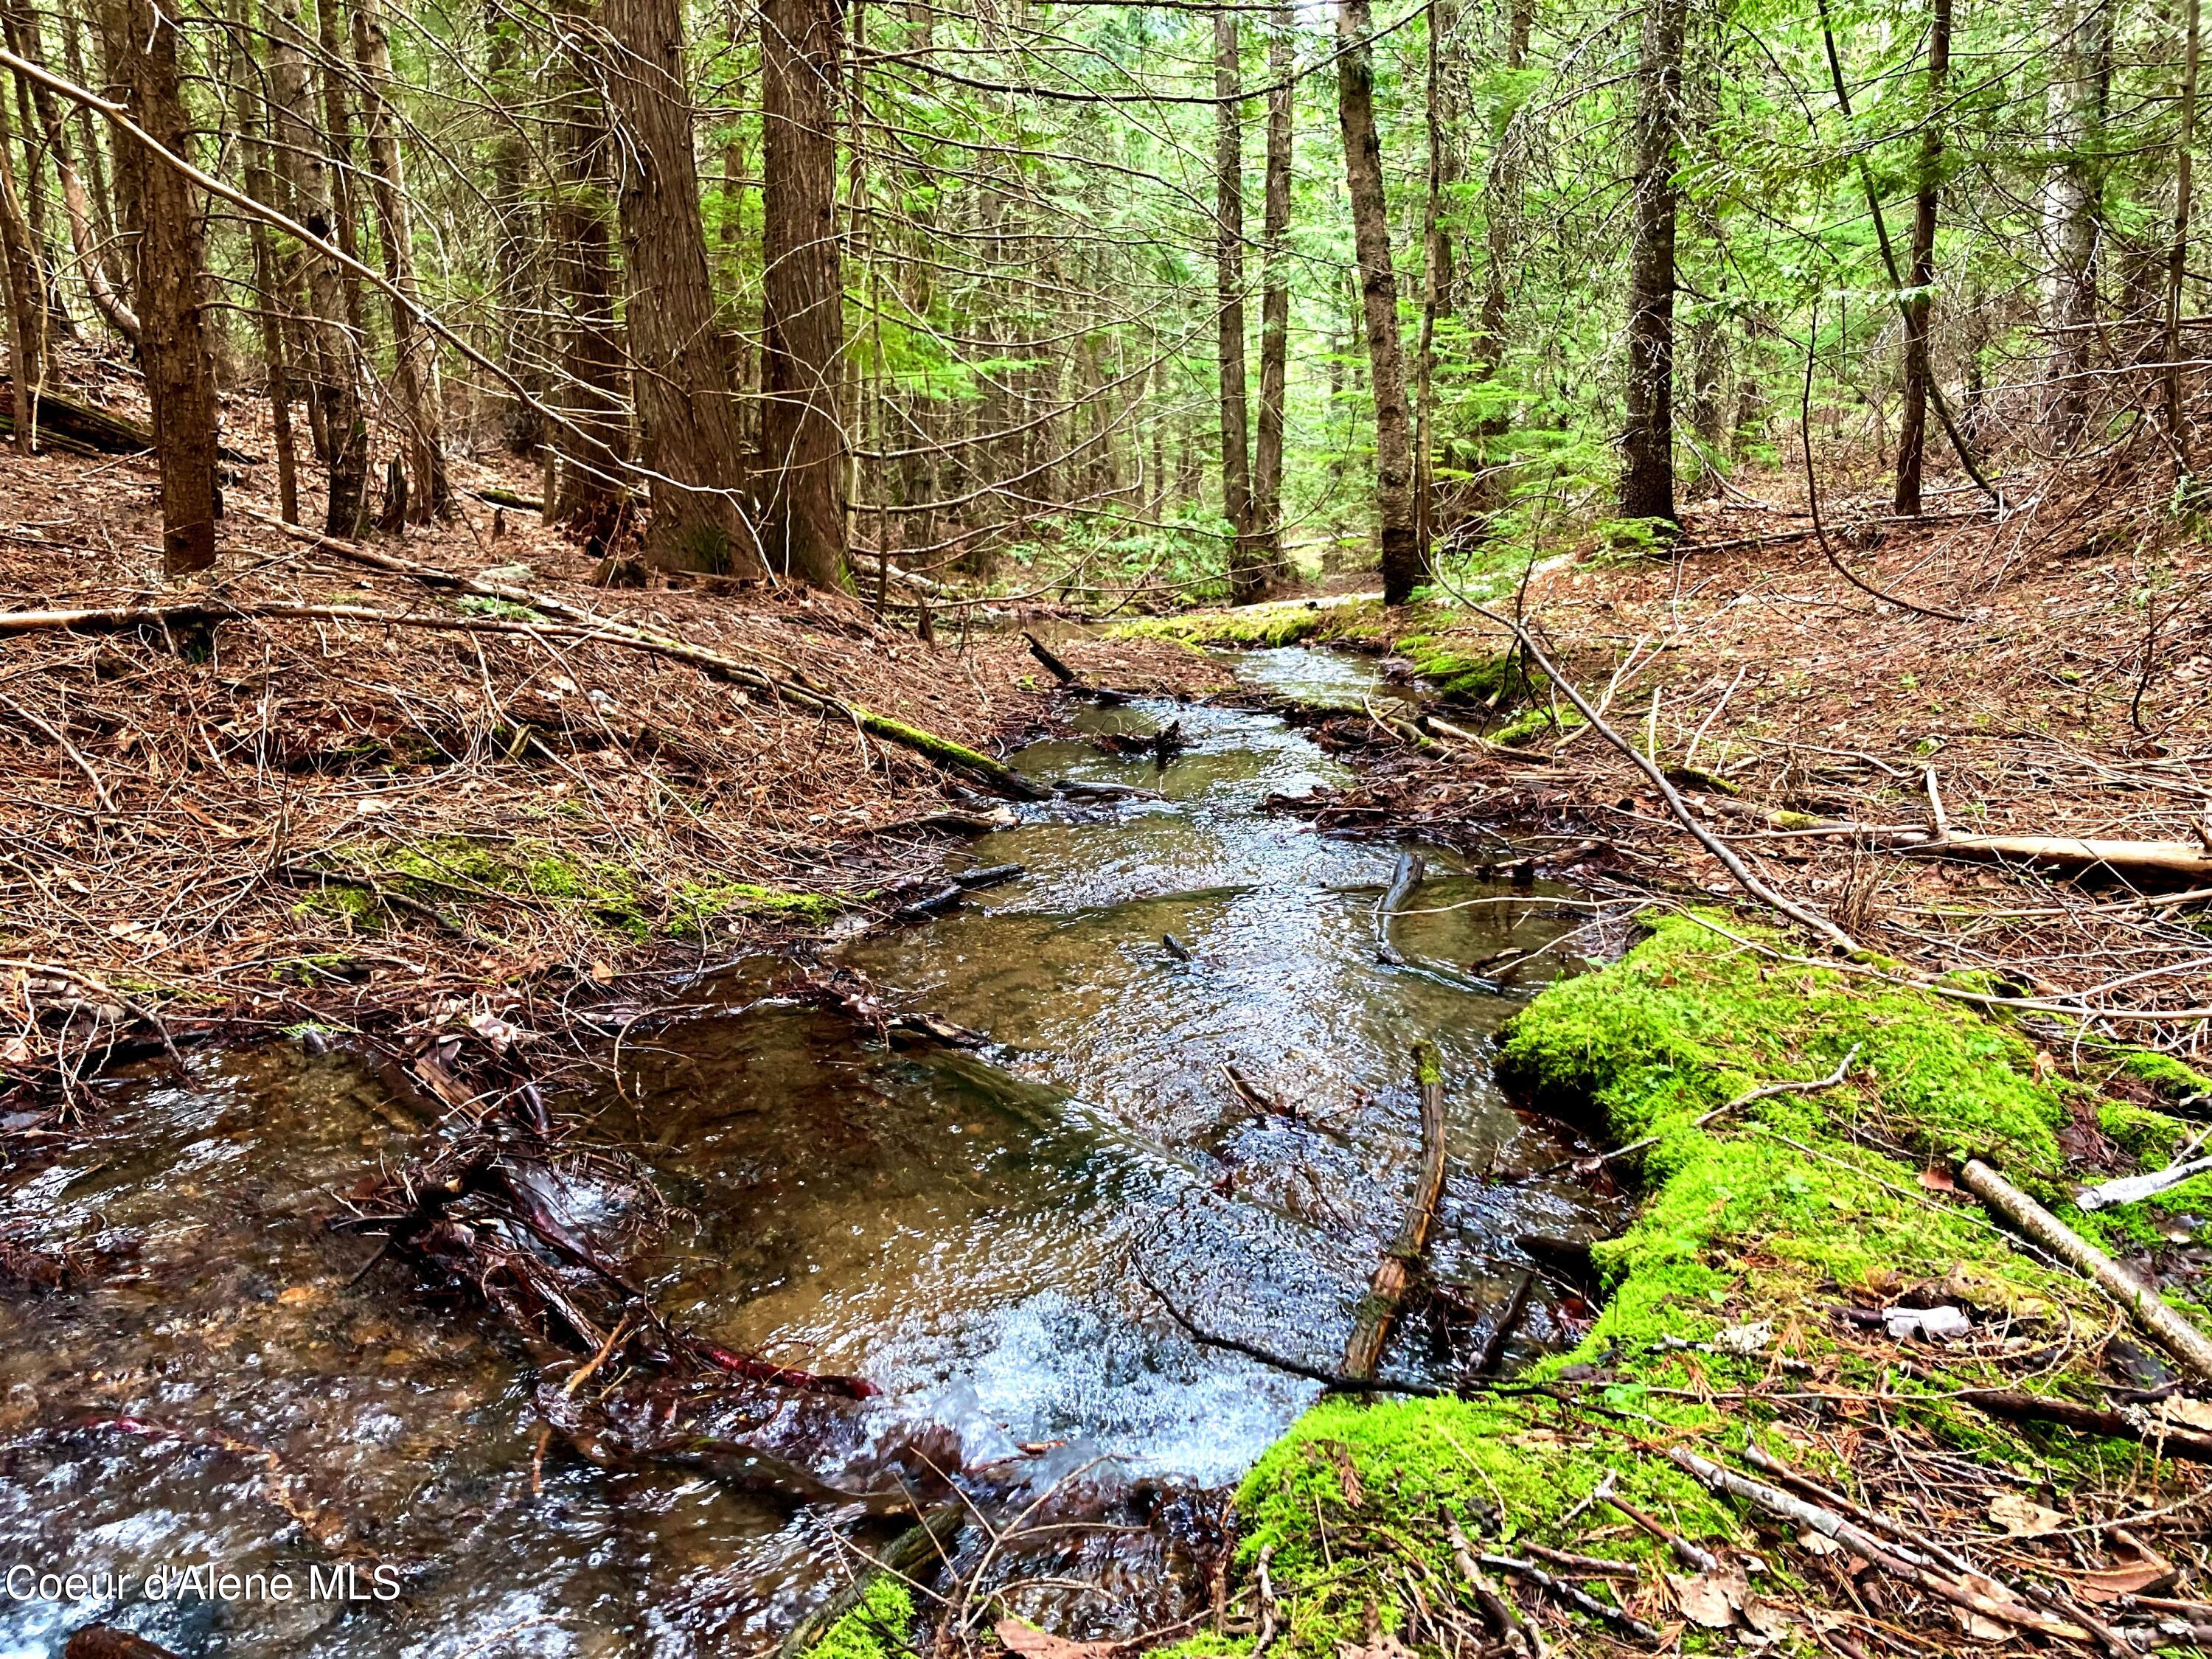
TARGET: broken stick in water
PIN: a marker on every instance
(1403, 880)
(1378, 1309)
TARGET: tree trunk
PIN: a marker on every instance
(802, 289)
(1442, 20)
(519, 299)
(1246, 582)
(2074, 215)
(76, 205)
(1274, 300)
(169, 278)
(1912, 428)
(1405, 563)
(687, 420)
(249, 116)
(27, 319)
(589, 500)
(337, 344)
(1501, 202)
(414, 349)
(2177, 262)
(1647, 484)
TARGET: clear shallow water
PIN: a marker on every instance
(965, 1230)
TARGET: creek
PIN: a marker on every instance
(214, 1384)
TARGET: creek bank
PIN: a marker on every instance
(1738, 1308)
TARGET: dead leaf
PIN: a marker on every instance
(1030, 1643)
(2022, 1517)
(1383, 1645)
(1770, 1618)
(1937, 1179)
(602, 973)
(1708, 1599)
(1984, 1630)
(2136, 1579)
(2184, 1413)
(1347, 1473)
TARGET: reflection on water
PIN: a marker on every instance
(210, 1383)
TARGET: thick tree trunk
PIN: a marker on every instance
(345, 423)
(1274, 301)
(414, 349)
(589, 500)
(1404, 563)
(1246, 582)
(687, 420)
(1912, 428)
(802, 289)
(1647, 484)
(162, 215)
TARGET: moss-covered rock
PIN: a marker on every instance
(1463, 673)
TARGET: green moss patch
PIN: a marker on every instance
(1489, 679)
(879, 1627)
(1757, 1229)
(1361, 623)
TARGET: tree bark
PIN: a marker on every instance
(1913, 428)
(2177, 262)
(1404, 563)
(588, 501)
(415, 352)
(27, 331)
(250, 115)
(162, 215)
(687, 420)
(2074, 212)
(515, 240)
(1442, 18)
(1501, 202)
(1268, 551)
(337, 373)
(1647, 484)
(802, 289)
(1246, 583)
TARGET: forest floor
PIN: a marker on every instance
(369, 824)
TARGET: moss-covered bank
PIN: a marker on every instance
(1465, 668)
(1722, 1317)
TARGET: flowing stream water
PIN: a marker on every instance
(213, 1385)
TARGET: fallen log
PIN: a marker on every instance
(1378, 1309)
(76, 428)
(2164, 858)
(2148, 1310)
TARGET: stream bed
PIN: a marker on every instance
(217, 1384)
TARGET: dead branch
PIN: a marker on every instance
(1378, 1309)
(2148, 1310)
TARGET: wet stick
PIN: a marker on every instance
(2147, 1309)
(1404, 879)
(1378, 1309)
